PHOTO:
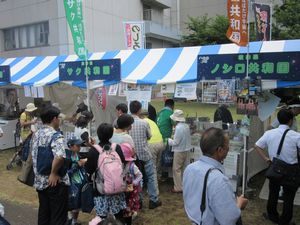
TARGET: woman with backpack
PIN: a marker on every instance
(105, 203)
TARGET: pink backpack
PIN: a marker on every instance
(110, 176)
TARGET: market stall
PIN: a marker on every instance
(146, 66)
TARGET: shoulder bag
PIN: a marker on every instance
(282, 172)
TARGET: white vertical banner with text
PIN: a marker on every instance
(134, 34)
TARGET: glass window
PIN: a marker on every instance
(28, 36)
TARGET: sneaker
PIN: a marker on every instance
(153, 205)
(134, 215)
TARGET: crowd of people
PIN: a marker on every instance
(109, 176)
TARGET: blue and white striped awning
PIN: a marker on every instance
(147, 66)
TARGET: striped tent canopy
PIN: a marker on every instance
(147, 66)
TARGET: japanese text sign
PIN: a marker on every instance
(73, 9)
(107, 69)
(134, 35)
(262, 21)
(4, 74)
(237, 12)
(275, 66)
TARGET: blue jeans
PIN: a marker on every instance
(149, 171)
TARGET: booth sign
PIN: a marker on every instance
(106, 69)
(274, 66)
(4, 74)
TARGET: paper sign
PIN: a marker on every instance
(113, 89)
(187, 91)
(267, 105)
(167, 88)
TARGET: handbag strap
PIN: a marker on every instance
(203, 200)
(281, 142)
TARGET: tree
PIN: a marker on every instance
(286, 20)
(204, 31)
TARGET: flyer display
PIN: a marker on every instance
(141, 93)
(210, 92)
(187, 91)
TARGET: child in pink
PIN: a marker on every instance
(134, 179)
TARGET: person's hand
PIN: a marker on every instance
(92, 141)
(241, 202)
(34, 120)
(81, 162)
(53, 180)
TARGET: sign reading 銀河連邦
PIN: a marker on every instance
(274, 65)
(106, 69)
(4, 74)
(73, 9)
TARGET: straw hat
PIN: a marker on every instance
(178, 116)
(30, 107)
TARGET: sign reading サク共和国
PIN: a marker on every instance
(275, 66)
(106, 69)
(4, 74)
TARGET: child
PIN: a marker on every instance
(134, 178)
(76, 178)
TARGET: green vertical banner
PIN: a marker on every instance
(74, 16)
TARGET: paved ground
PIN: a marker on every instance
(18, 214)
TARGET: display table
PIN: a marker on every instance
(8, 138)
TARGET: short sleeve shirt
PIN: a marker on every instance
(41, 138)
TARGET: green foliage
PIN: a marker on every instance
(204, 30)
(286, 20)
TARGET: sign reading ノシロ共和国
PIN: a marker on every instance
(4, 74)
(275, 66)
(106, 69)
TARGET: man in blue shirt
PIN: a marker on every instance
(222, 207)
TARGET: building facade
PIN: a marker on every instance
(39, 27)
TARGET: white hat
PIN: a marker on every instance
(178, 116)
(30, 107)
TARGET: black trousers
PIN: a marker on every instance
(288, 202)
(53, 205)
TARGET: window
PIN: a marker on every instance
(28, 36)
(147, 13)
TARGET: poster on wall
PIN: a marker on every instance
(141, 93)
(187, 91)
(226, 90)
(167, 88)
(210, 92)
(8, 100)
(113, 89)
(122, 89)
(247, 106)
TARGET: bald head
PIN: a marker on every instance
(211, 139)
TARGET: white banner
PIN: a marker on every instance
(134, 34)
